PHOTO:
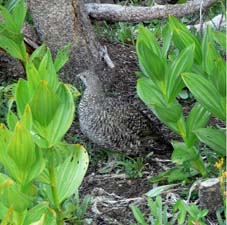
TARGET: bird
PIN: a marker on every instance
(110, 122)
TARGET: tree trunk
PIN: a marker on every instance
(61, 22)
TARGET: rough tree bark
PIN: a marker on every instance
(113, 12)
(65, 21)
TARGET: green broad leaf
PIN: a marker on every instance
(171, 175)
(18, 14)
(14, 49)
(183, 38)
(184, 155)
(159, 190)
(171, 113)
(37, 168)
(22, 96)
(149, 93)
(70, 174)
(8, 19)
(11, 120)
(219, 76)
(167, 35)
(177, 174)
(214, 138)
(182, 63)
(210, 54)
(62, 57)
(180, 205)
(176, 23)
(26, 119)
(44, 104)
(138, 215)
(40, 212)
(22, 149)
(3, 213)
(63, 117)
(6, 161)
(41, 221)
(220, 38)
(13, 198)
(181, 153)
(60, 153)
(151, 64)
(38, 55)
(149, 39)
(156, 208)
(197, 118)
(47, 70)
(206, 94)
(33, 77)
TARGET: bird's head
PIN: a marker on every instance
(90, 80)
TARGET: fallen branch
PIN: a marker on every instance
(112, 12)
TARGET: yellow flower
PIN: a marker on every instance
(219, 164)
(224, 174)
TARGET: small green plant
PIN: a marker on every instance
(194, 63)
(157, 216)
(188, 214)
(132, 167)
(42, 170)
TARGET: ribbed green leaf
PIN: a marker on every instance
(167, 35)
(210, 54)
(26, 119)
(197, 118)
(47, 71)
(62, 57)
(182, 154)
(14, 49)
(220, 38)
(6, 161)
(151, 64)
(182, 63)
(70, 173)
(9, 21)
(21, 148)
(44, 104)
(159, 190)
(22, 96)
(149, 39)
(19, 13)
(219, 76)
(149, 93)
(183, 38)
(63, 117)
(138, 215)
(169, 114)
(206, 94)
(214, 138)
(33, 77)
(13, 198)
(11, 120)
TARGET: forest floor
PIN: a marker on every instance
(114, 187)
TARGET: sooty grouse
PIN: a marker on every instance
(110, 122)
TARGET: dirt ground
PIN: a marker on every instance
(113, 193)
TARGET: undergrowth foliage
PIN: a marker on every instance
(41, 170)
(184, 60)
(197, 65)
